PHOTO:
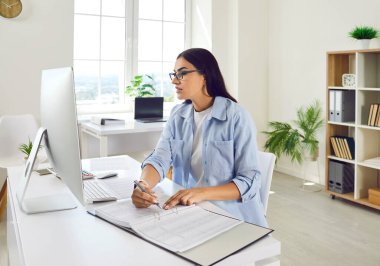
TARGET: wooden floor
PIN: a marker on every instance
(313, 228)
(317, 230)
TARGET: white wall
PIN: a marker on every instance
(300, 33)
(252, 74)
(238, 32)
(41, 37)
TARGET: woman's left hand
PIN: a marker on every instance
(186, 197)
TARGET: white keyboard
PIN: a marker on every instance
(94, 191)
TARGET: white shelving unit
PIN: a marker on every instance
(365, 64)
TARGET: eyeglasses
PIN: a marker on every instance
(180, 75)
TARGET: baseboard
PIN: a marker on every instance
(300, 174)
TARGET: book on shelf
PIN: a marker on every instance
(186, 231)
(374, 115)
(377, 122)
(103, 121)
(343, 147)
(370, 115)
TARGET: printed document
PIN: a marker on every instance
(178, 229)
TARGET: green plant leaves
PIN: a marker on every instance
(140, 89)
(363, 32)
(284, 139)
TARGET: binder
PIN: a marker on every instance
(331, 185)
(345, 153)
(344, 106)
(332, 105)
(155, 225)
(351, 147)
(341, 177)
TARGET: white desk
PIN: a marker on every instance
(141, 136)
(74, 237)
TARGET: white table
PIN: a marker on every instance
(137, 136)
(73, 237)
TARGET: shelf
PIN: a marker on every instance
(347, 124)
(341, 159)
(350, 197)
(368, 127)
(365, 64)
(368, 89)
(370, 165)
(341, 88)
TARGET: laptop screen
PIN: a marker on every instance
(149, 107)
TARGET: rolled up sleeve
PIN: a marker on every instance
(247, 177)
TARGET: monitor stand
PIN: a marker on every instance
(40, 204)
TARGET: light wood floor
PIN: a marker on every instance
(317, 230)
(313, 228)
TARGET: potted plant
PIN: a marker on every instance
(295, 141)
(26, 148)
(364, 34)
(139, 88)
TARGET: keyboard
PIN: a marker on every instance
(94, 191)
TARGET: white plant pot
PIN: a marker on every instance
(364, 43)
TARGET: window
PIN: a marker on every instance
(117, 39)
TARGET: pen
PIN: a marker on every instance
(143, 190)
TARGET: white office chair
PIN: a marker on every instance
(266, 166)
(14, 130)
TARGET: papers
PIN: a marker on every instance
(178, 229)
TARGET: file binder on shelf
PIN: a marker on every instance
(344, 106)
(341, 177)
(332, 105)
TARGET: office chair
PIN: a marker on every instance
(14, 130)
(266, 166)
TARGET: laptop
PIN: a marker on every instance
(149, 109)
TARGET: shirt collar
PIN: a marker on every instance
(218, 111)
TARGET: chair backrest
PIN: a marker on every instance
(14, 131)
(266, 166)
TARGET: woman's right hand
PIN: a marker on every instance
(143, 199)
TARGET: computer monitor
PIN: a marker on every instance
(59, 130)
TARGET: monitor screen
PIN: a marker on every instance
(59, 118)
(59, 131)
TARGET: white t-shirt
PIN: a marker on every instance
(196, 166)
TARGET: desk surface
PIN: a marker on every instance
(130, 126)
(73, 237)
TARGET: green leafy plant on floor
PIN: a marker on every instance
(363, 32)
(26, 148)
(285, 139)
(139, 88)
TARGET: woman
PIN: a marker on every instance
(209, 140)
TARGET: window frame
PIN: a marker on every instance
(131, 53)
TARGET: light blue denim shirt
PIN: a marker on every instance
(229, 153)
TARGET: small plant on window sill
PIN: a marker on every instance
(139, 88)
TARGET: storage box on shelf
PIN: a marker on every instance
(352, 131)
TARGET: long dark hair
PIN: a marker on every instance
(207, 65)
